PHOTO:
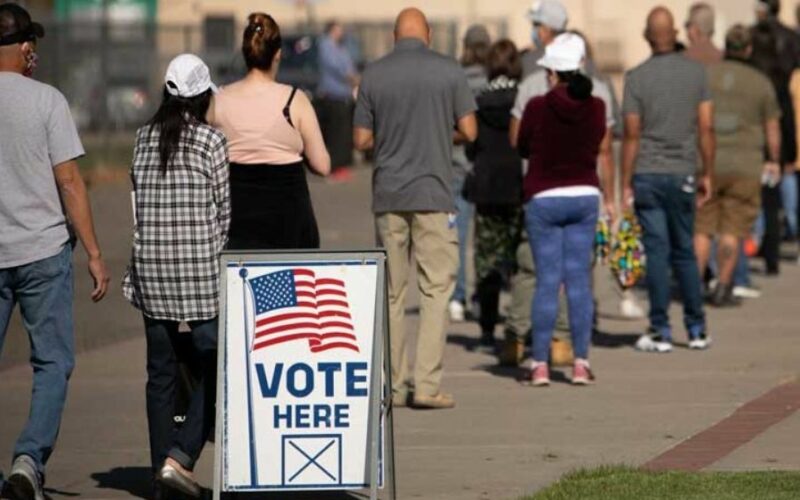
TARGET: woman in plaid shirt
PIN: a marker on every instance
(182, 215)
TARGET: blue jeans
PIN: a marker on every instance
(665, 206)
(789, 196)
(464, 210)
(44, 291)
(561, 232)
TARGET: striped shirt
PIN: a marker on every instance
(665, 92)
(182, 220)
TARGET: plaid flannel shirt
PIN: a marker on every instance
(182, 219)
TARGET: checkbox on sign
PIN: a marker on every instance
(312, 460)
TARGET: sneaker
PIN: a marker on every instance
(700, 343)
(540, 375)
(486, 344)
(581, 373)
(341, 175)
(722, 296)
(629, 308)
(651, 342)
(456, 309)
(440, 401)
(24, 480)
(746, 292)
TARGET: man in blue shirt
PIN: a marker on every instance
(334, 103)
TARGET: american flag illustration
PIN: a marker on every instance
(295, 305)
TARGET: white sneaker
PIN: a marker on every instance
(653, 343)
(746, 292)
(629, 308)
(456, 309)
(700, 343)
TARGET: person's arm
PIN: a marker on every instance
(607, 174)
(220, 178)
(708, 148)
(79, 212)
(466, 129)
(513, 132)
(772, 132)
(313, 144)
(524, 132)
(794, 88)
(630, 151)
(363, 139)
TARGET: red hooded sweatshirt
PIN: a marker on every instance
(560, 136)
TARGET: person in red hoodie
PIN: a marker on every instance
(561, 134)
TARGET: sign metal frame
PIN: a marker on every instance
(380, 404)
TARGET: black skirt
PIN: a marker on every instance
(271, 208)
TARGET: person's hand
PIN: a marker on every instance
(627, 197)
(788, 169)
(611, 211)
(704, 190)
(97, 269)
(772, 173)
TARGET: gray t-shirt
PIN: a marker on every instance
(36, 133)
(411, 99)
(665, 92)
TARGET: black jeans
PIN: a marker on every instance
(163, 342)
(771, 243)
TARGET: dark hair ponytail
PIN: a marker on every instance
(579, 86)
(172, 119)
(261, 41)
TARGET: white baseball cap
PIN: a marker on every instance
(566, 53)
(551, 13)
(188, 76)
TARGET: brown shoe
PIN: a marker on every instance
(561, 353)
(400, 400)
(440, 401)
(512, 353)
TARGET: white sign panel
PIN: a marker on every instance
(298, 374)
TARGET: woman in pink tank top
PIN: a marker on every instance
(272, 134)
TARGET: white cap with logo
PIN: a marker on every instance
(188, 76)
(551, 13)
(566, 53)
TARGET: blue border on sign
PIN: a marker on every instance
(264, 487)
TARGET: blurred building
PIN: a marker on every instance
(108, 56)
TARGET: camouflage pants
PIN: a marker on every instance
(497, 235)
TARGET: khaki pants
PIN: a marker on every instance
(435, 244)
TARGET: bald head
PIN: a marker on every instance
(411, 23)
(660, 31)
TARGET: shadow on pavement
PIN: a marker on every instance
(614, 340)
(137, 481)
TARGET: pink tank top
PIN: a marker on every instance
(254, 120)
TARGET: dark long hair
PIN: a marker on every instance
(579, 86)
(172, 119)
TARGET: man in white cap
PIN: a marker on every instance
(40, 182)
(549, 19)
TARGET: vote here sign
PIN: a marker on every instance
(298, 368)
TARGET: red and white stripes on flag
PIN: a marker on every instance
(296, 305)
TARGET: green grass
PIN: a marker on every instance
(625, 483)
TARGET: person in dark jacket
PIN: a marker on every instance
(561, 134)
(495, 185)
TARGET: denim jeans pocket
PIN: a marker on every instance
(51, 267)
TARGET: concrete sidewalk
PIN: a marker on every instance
(502, 441)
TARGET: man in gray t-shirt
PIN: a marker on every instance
(410, 105)
(38, 148)
(668, 111)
